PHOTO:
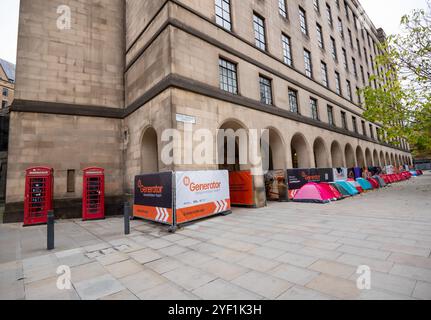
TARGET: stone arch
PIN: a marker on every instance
(226, 159)
(149, 151)
(393, 160)
(388, 159)
(277, 150)
(382, 159)
(321, 156)
(300, 152)
(337, 155)
(368, 158)
(376, 158)
(360, 157)
(350, 156)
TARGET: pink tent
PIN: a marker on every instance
(313, 193)
(330, 188)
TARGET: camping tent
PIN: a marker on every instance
(330, 188)
(374, 183)
(348, 187)
(313, 193)
(380, 181)
(365, 184)
(356, 185)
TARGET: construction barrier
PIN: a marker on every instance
(175, 198)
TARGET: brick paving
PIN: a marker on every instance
(284, 251)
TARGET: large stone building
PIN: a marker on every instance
(103, 92)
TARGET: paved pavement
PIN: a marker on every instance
(284, 251)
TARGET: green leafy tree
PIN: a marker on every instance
(400, 100)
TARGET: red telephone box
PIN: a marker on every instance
(93, 198)
(39, 183)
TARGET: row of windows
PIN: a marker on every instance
(223, 17)
(229, 83)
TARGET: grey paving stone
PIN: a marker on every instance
(146, 255)
(416, 273)
(172, 250)
(223, 290)
(301, 293)
(374, 264)
(123, 269)
(410, 250)
(87, 272)
(112, 258)
(99, 287)
(124, 295)
(189, 278)
(224, 270)
(422, 291)
(319, 253)
(166, 291)
(164, 265)
(193, 258)
(335, 287)
(267, 252)
(144, 280)
(296, 275)
(263, 284)
(47, 290)
(258, 263)
(369, 253)
(297, 259)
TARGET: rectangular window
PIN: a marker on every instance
(358, 44)
(259, 31)
(334, 49)
(324, 69)
(303, 21)
(331, 116)
(329, 15)
(355, 69)
(337, 83)
(363, 75)
(228, 76)
(316, 5)
(320, 36)
(346, 64)
(349, 90)
(265, 90)
(350, 37)
(70, 181)
(4, 104)
(364, 129)
(293, 101)
(5, 92)
(355, 125)
(282, 8)
(347, 10)
(340, 28)
(314, 109)
(223, 17)
(308, 65)
(287, 50)
(359, 95)
(371, 131)
(344, 120)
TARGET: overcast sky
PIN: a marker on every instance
(384, 13)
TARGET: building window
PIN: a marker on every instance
(303, 21)
(314, 109)
(329, 15)
(265, 90)
(355, 125)
(228, 76)
(287, 50)
(349, 90)
(259, 31)
(282, 8)
(293, 101)
(350, 38)
(358, 44)
(337, 83)
(308, 65)
(355, 69)
(331, 116)
(364, 129)
(363, 75)
(344, 120)
(359, 95)
(347, 10)
(334, 49)
(324, 69)
(340, 28)
(5, 92)
(316, 5)
(223, 17)
(4, 104)
(70, 181)
(320, 36)
(346, 65)
(371, 131)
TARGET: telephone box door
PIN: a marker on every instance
(93, 204)
(38, 195)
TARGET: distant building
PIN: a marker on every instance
(7, 83)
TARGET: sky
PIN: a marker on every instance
(384, 13)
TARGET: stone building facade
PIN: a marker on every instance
(104, 92)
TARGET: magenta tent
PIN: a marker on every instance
(330, 188)
(314, 193)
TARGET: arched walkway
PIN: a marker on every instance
(350, 156)
(376, 159)
(149, 151)
(231, 156)
(337, 155)
(300, 152)
(368, 158)
(277, 154)
(382, 159)
(360, 157)
(321, 156)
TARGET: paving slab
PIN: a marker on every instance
(263, 284)
(224, 290)
(99, 287)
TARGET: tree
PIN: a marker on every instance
(401, 98)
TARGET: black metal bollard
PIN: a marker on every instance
(50, 230)
(126, 218)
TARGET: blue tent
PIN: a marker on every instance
(341, 189)
(380, 180)
(348, 187)
(414, 173)
(366, 185)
